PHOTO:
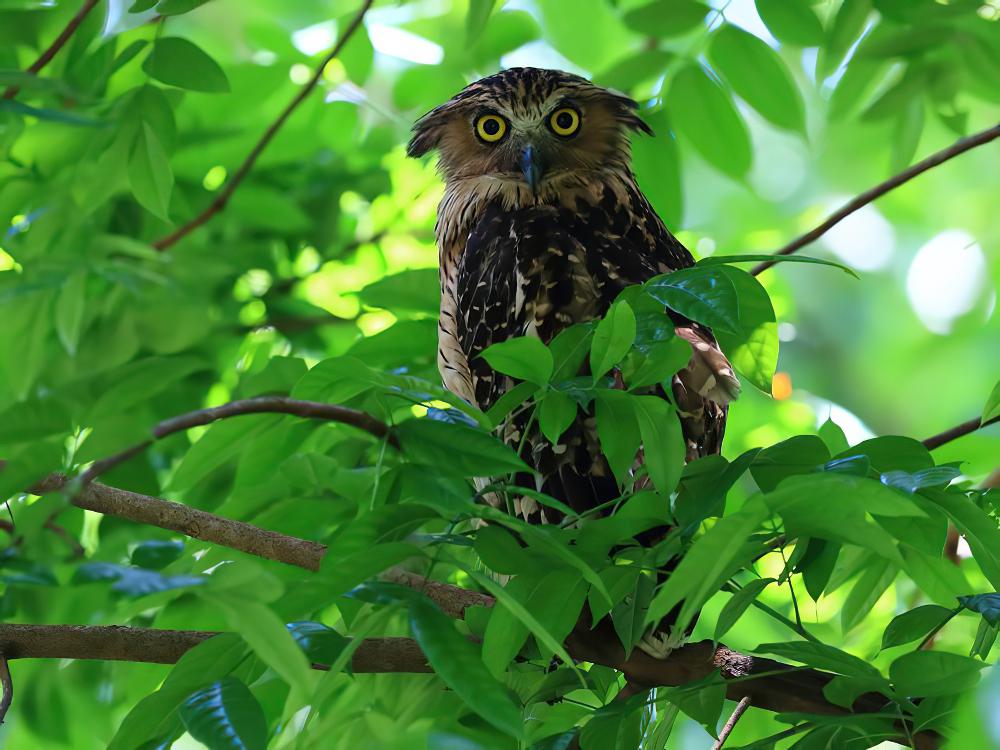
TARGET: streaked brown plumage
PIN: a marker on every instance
(541, 226)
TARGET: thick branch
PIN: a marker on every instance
(118, 643)
(58, 44)
(959, 147)
(936, 441)
(244, 169)
(792, 689)
(262, 405)
(192, 522)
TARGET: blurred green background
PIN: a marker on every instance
(768, 115)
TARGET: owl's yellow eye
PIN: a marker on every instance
(491, 128)
(564, 121)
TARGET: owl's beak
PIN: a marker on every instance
(532, 167)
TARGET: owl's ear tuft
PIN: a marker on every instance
(427, 132)
(625, 109)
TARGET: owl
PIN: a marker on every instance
(541, 226)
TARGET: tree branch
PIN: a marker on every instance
(782, 688)
(959, 147)
(58, 44)
(244, 169)
(730, 725)
(261, 405)
(8, 687)
(936, 441)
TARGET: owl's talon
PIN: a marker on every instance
(660, 645)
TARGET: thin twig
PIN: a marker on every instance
(936, 441)
(959, 147)
(244, 169)
(727, 730)
(8, 687)
(57, 45)
(261, 405)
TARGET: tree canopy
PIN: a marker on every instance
(241, 508)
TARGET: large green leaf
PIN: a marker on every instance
(915, 624)
(758, 75)
(612, 338)
(663, 444)
(930, 673)
(225, 716)
(459, 665)
(618, 431)
(706, 295)
(822, 656)
(525, 358)
(738, 604)
(791, 21)
(179, 62)
(992, 408)
(667, 19)
(456, 448)
(705, 114)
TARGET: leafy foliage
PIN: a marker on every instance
(810, 540)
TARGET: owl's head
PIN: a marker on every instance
(529, 125)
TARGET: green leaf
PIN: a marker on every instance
(753, 349)
(706, 295)
(225, 716)
(992, 408)
(892, 452)
(798, 455)
(822, 656)
(547, 607)
(791, 22)
(635, 69)
(153, 717)
(758, 257)
(667, 19)
(525, 358)
(841, 34)
(556, 413)
(266, 634)
(833, 436)
(133, 582)
(45, 113)
(657, 164)
(459, 665)
(181, 63)
(150, 174)
(979, 530)
(915, 624)
(156, 554)
(738, 604)
(867, 590)
(321, 644)
(988, 605)
(663, 445)
(911, 481)
(612, 338)
(618, 431)
(705, 114)
(69, 311)
(477, 18)
(500, 551)
(710, 561)
(177, 7)
(702, 700)
(758, 75)
(660, 364)
(456, 448)
(930, 673)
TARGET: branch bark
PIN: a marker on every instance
(261, 405)
(60, 41)
(730, 725)
(959, 147)
(244, 169)
(936, 441)
(782, 688)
